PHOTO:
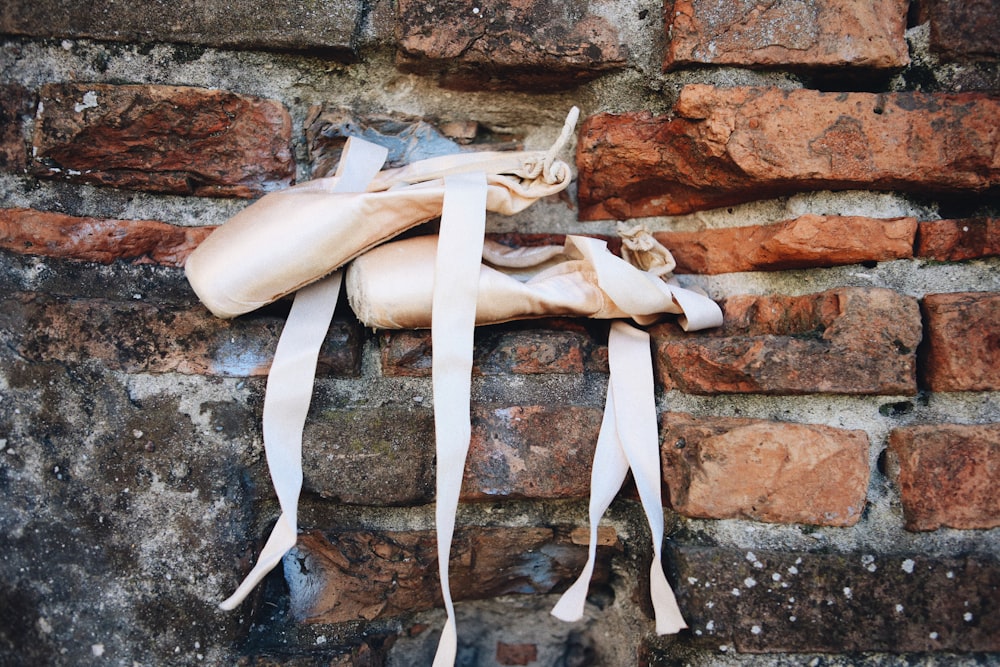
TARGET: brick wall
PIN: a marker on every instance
(827, 170)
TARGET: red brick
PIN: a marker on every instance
(961, 351)
(103, 240)
(16, 104)
(796, 602)
(509, 348)
(777, 472)
(725, 146)
(538, 451)
(804, 242)
(167, 139)
(810, 34)
(354, 575)
(964, 30)
(842, 341)
(533, 44)
(140, 337)
(958, 240)
(265, 24)
(516, 654)
(947, 475)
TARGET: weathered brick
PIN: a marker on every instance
(103, 240)
(351, 575)
(810, 34)
(516, 654)
(961, 351)
(778, 472)
(169, 139)
(535, 44)
(842, 341)
(16, 103)
(759, 601)
(288, 25)
(947, 475)
(506, 348)
(964, 30)
(142, 337)
(385, 455)
(725, 146)
(537, 451)
(804, 242)
(958, 240)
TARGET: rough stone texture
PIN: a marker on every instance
(171, 139)
(505, 348)
(288, 25)
(121, 508)
(725, 146)
(141, 337)
(16, 104)
(758, 601)
(958, 240)
(793, 33)
(346, 576)
(947, 475)
(962, 341)
(726, 468)
(842, 341)
(808, 241)
(964, 29)
(102, 240)
(370, 456)
(534, 44)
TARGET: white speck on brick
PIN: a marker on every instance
(756, 629)
(692, 580)
(321, 639)
(97, 650)
(736, 592)
(869, 562)
(792, 619)
(749, 582)
(967, 616)
(793, 570)
(776, 577)
(899, 609)
(710, 626)
(933, 635)
(848, 593)
(950, 574)
(908, 566)
(89, 101)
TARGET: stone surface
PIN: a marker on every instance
(733, 468)
(793, 33)
(947, 475)
(16, 105)
(808, 241)
(521, 348)
(525, 44)
(958, 240)
(288, 25)
(842, 341)
(352, 575)
(761, 601)
(964, 29)
(140, 337)
(170, 139)
(122, 517)
(725, 146)
(961, 350)
(102, 240)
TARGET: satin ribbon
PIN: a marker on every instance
(453, 322)
(628, 440)
(290, 381)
